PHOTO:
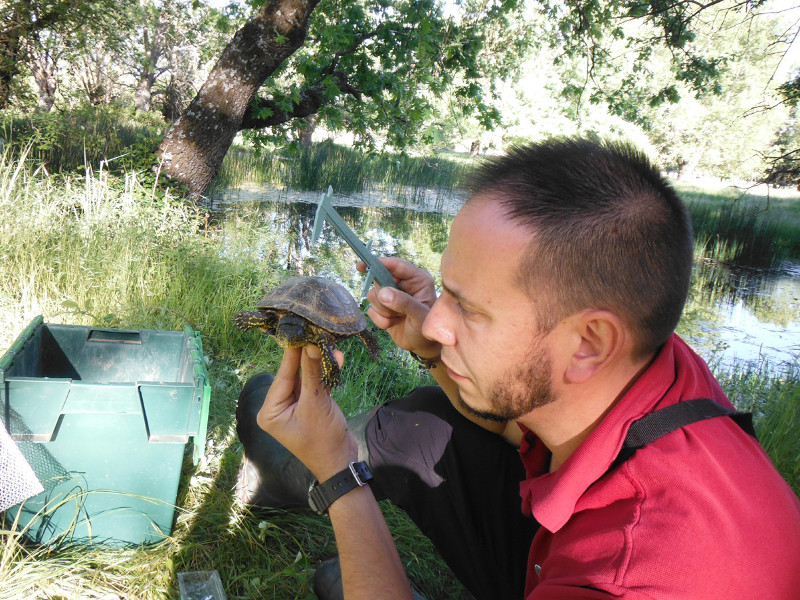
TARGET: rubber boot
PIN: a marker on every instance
(327, 582)
(271, 476)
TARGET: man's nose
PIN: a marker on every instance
(437, 325)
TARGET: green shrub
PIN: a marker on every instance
(120, 138)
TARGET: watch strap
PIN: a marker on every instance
(322, 495)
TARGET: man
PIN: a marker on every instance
(563, 280)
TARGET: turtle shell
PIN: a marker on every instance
(323, 302)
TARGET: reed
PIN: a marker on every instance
(347, 170)
(745, 229)
(738, 234)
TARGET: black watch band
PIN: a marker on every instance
(322, 495)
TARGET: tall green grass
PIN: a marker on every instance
(745, 229)
(774, 400)
(90, 135)
(347, 170)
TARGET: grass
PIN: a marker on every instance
(745, 228)
(94, 247)
(347, 170)
(774, 400)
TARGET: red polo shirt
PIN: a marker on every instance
(698, 514)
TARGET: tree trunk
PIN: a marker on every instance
(11, 55)
(47, 84)
(193, 149)
(44, 74)
(305, 132)
(143, 98)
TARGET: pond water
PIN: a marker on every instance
(747, 315)
(735, 317)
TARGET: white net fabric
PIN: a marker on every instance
(18, 482)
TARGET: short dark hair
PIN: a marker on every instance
(609, 232)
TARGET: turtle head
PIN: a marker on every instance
(291, 331)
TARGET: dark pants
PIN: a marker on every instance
(458, 482)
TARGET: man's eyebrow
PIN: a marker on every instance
(457, 295)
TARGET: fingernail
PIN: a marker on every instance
(385, 295)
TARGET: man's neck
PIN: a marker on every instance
(565, 423)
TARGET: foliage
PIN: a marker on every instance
(728, 132)
(631, 57)
(378, 68)
(784, 155)
(27, 26)
(171, 40)
(69, 142)
(616, 40)
(698, 79)
(134, 51)
(347, 170)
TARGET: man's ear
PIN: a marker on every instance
(598, 339)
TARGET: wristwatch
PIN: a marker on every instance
(322, 495)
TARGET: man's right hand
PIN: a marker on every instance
(402, 311)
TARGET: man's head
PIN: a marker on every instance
(607, 232)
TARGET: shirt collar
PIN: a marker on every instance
(552, 497)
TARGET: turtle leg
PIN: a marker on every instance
(248, 319)
(254, 319)
(330, 367)
(371, 343)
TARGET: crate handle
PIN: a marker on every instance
(114, 336)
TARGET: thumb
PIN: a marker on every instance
(311, 365)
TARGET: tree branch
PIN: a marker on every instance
(311, 100)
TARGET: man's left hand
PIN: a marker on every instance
(299, 412)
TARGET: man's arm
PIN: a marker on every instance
(299, 412)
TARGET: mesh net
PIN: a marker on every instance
(18, 481)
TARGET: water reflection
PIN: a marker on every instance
(419, 237)
(734, 314)
(746, 314)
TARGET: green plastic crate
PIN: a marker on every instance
(103, 417)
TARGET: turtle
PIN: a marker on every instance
(311, 310)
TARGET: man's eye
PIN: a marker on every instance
(463, 309)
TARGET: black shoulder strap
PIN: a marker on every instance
(661, 422)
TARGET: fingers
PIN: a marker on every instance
(314, 353)
(400, 269)
(311, 367)
(290, 363)
(400, 303)
(298, 380)
(383, 315)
